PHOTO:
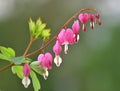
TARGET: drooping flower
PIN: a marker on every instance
(97, 15)
(83, 18)
(45, 62)
(76, 29)
(61, 36)
(91, 17)
(57, 50)
(26, 72)
(66, 37)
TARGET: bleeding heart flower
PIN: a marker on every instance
(91, 17)
(76, 29)
(45, 62)
(66, 37)
(83, 18)
(26, 72)
(57, 50)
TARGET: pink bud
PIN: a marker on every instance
(69, 36)
(26, 69)
(45, 60)
(83, 18)
(61, 36)
(76, 29)
(97, 15)
(91, 17)
(48, 57)
(57, 48)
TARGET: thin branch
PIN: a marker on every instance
(6, 67)
(63, 26)
(48, 43)
(29, 45)
(11, 64)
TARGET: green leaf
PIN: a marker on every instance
(39, 30)
(6, 53)
(38, 22)
(32, 26)
(46, 34)
(11, 52)
(3, 57)
(18, 60)
(37, 69)
(42, 26)
(35, 81)
(18, 70)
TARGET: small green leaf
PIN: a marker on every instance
(35, 81)
(18, 70)
(42, 26)
(3, 57)
(6, 53)
(35, 63)
(39, 30)
(37, 69)
(18, 60)
(32, 26)
(46, 34)
(38, 22)
(11, 51)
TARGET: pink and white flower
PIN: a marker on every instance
(91, 17)
(57, 50)
(66, 37)
(26, 72)
(83, 18)
(45, 62)
(76, 29)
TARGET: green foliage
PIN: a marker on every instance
(18, 60)
(32, 26)
(18, 70)
(46, 34)
(37, 69)
(38, 29)
(6, 53)
(35, 81)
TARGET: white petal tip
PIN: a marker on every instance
(66, 48)
(58, 61)
(46, 74)
(26, 82)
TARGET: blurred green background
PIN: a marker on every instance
(91, 65)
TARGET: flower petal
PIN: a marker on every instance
(26, 82)
(57, 60)
(46, 74)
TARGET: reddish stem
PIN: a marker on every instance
(47, 44)
(6, 67)
(63, 26)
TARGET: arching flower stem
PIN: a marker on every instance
(50, 41)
